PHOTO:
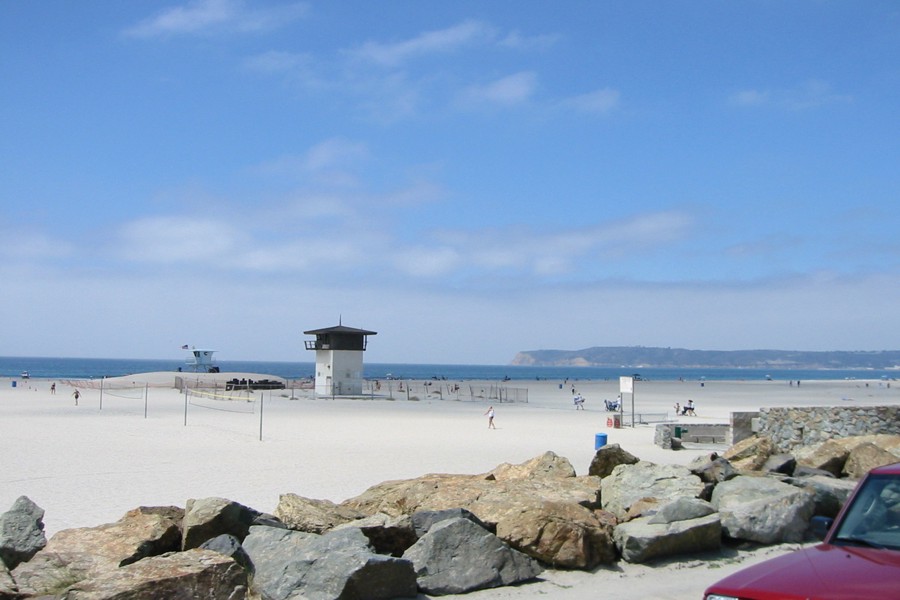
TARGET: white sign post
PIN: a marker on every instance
(626, 386)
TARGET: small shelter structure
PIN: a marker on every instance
(201, 360)
(339, 359)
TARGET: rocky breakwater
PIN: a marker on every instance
(441, 533)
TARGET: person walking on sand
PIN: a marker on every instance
(490, 416)
(77, 396)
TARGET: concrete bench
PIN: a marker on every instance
(700, 438)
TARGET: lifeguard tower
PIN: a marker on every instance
(201, 361)
(339, 359)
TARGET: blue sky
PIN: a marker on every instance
(469, 179)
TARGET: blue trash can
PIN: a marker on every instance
(599, 440)
(14, 384)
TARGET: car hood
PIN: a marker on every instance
(821, 572)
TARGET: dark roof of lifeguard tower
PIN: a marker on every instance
(340, 329)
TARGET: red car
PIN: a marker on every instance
(858, 559)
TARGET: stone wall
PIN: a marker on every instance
(792, 427)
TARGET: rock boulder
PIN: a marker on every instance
(314, 516)
(866, 457)
(763, 510)
(750, 454)
(609, 457)
(629, 484)
(207, 518)
(829, 492)
(508, 500)
(335, 565)
(457, 556)
(75, 555)
(21, 532)
(191, 574)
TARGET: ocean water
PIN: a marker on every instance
(86, 368)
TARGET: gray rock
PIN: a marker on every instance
(629, 484)
(230, 546)
(21, 532)
(830, 493)
(274, 555)
(763, 510)
(8, 588)
(206, 518)
(268, 520)
(191, 574)
(712, 468)
(640, 540)
(386, 534)
(804, 471)
(682, 509)
(339, 564)
(780, 463)
(457, 556)
(609, 457)
(424, 519)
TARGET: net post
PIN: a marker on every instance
(262, 396)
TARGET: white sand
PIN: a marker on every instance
(86, 466)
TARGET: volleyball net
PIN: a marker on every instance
(235, 401)
(128, 393)
(445, 390)
(96, 384)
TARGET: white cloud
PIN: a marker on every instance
(417, 193)
(277, 62)
(32, 246)
(307, 254)
(599, 101)
(179, 240)
(215, 16)
(331, 164)
(335, 152)
(750, 98)
(316, 207)
(430, 42)
(560, 251)
(517, 41)
(653, 228)
(510, 90)
(806, 95)
(427, 262)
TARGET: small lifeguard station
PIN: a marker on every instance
(201, 360)
(339, 359)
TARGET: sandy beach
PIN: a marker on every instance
(88, 464)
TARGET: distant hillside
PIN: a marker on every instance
(639, 356)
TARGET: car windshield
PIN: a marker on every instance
(874, 517)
